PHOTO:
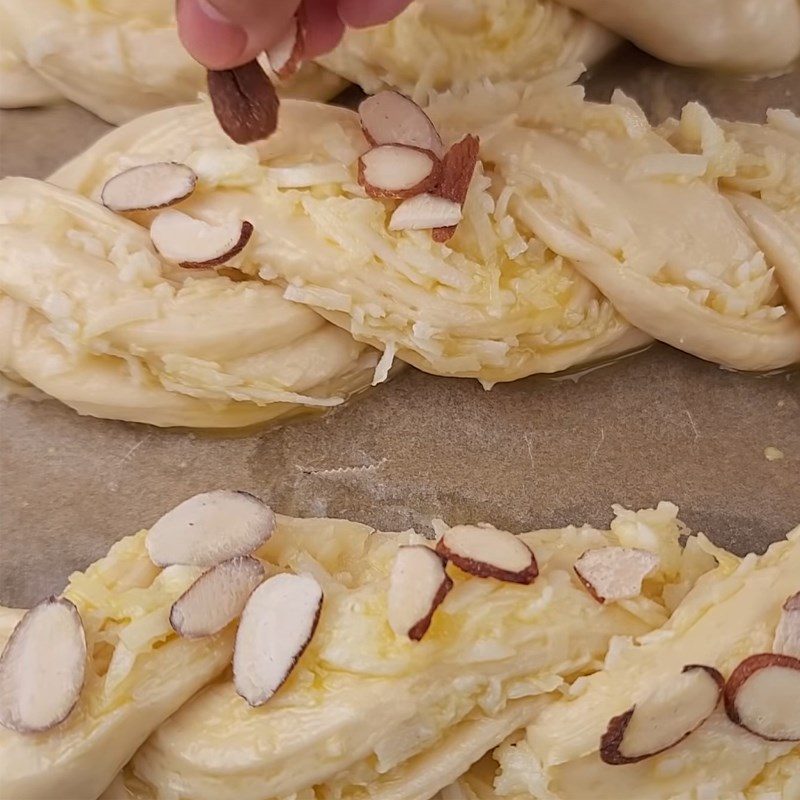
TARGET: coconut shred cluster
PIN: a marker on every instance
(361, 664)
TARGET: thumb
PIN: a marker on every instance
(222, 34)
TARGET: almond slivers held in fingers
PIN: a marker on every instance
(391, 118)
(394, 170)
(286, 55)
(148, 186)
(615, 573)
(195, 244)
(276, 627)
(417, 585)
(663, 719)
(216, 598)
(42, 667)
(245, 102)
(762, 695)
(210, 528)
(489, 553)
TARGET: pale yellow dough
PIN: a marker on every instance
(120, 60)
(20, 86)
(436, 44)
(759, 168)
(115, 58)
(369, 715)
(136, 676)
(493, 305)
(754, 36)
(580, 221)
(92, 316)
(731, 612)
(599, 186)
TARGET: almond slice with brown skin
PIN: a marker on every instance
(210, 528)
(42, 667)
(615, 573)
(787, 634)
(488, 553)
(417, 586)
(276, 627)
(392, 118)
(396, 170)
(216, 598)
(762, 695)
(245, 102)
(236, 275)
(195, 244)
(148, 186)
(424, 211)
(664, 718)
(286, 55)
(458, 167)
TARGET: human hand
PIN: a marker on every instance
(222, 34)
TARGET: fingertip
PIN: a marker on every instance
(210, 38)
(322, 26)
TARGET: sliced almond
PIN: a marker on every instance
(424, 211)
(149, 186)
(245, 102)
(236, 275)
(276, 626)
(210, 528)
(417, 586)
(286, 55)
(392, 118)
(196, 244)
(216, 598)
(787, 634)
(762, 696)
(396, 170)
(664, 718)
(42, 667)
(615, 573)
(458, 166)
(488, 553)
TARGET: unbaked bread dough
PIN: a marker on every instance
(20, 86)
(743, 35)
(367, 714)
(569, 196)
(491, 304)
(117, 59)
(730, 613)
(636, 217)
(92, 316)
(435, 44)
(758, 166)
(138, 673)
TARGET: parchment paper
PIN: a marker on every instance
(536, 453)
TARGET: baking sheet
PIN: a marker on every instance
(540, 452)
